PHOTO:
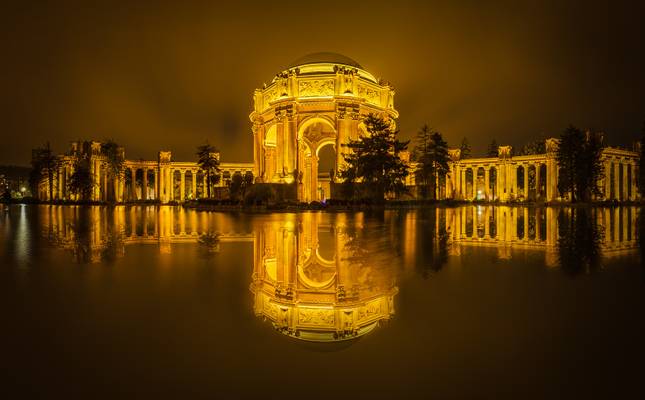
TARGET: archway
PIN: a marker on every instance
(492, 183)
(314, 136)
(469, 183)
(520, 183)
(480, 193)
(176, 186)
(326, 169)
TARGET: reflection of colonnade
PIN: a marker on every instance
(533, 177)
(97, 228)
(524, 228)
(161, 180)
(309, 282)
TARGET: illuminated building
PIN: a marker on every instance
(315, 106)
(532, 177)
(314, 282)
(318, 101)
(163, 180)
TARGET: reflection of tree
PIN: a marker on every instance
(579, 241)
(210, 242)
(434, 249)
(87, 247)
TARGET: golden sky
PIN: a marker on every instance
(156, 76)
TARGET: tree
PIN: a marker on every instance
(239, 184)
(114, 157)
(44, 163)
(534, 147)
(208, 160)
(465, 149)
(432, 156)
(493, 149)
(578, 158)
(375, 159)
(641, 163)
(81, 181)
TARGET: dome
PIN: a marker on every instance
(323, 57)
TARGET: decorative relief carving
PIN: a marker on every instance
(271, 94)
(316, 88)
(370, 310)
(552, 146)
(315, 316)
(505, 151)
(271, 309)
(371, 95)
(454, 154)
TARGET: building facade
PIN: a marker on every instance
(162, 180)
(508, 178)
(317, 101)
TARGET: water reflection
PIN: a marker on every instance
(322, 281)
(334, 277)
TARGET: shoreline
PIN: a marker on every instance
(335, 206)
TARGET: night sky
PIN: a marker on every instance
(155, 76)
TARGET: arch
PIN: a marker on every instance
(176, 185)
(312, 119)
(480, 187)
(541, 193)
(468, 180)
(271, 136)
(519, 178)
(532, 186)
(492, 183)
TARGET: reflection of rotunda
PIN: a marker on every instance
(308, 283)
(302, 119)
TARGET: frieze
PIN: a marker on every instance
(315, 316)
(316, 88)
(369, 94)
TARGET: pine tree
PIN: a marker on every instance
(578, 158)
(44, 163)
(208, 160)
(432, 157)
(375, 159)
(115, 159)
(81, 181)
(493, 149)
(465, 149)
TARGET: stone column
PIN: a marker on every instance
(205, 187)
(617, 180)
(182, 186)
(156, 177)
(634, 190)
(625, 194)
(314, 178)
(133, 183)
(487, 183)
(526, 181)
(144, 190)
(537, 181)
(193, 174)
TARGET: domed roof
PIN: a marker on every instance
(325, 57)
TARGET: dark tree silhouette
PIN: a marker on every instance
(44, 163)
(115, 158)
(579, 163)
(208, 160)
(493, 149)
(375, 159)
(579, 241)
(81, 181)
(465, 148)
(431, 153)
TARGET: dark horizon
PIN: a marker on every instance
(170, 77)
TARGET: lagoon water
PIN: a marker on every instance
(475, 302)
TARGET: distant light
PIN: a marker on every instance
(23, 189)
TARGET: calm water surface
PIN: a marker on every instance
(474, 302)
